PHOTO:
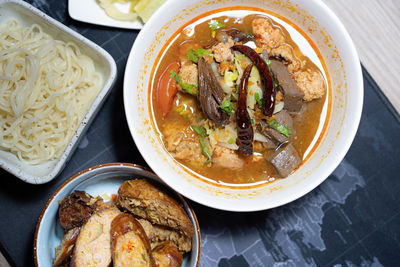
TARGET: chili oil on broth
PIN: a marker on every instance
(308, 123)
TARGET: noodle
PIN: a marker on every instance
(46, 88)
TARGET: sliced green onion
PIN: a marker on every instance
(274, 124)
(202, 132)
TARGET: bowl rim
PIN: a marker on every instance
(60, 162)
(349, 136)
(146, 172)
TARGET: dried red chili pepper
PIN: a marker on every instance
(243, 121)
(267, 83)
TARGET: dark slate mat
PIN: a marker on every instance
(352, 219)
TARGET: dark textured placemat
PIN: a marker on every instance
(352, 219)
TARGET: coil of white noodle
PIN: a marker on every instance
(46, 88)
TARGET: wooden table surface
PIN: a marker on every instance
(374, 27)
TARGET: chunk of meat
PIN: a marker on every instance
(273, 135)
(311, 82)
(93, 246)
(149, 202)
(285, 160)
(129, 243)
(283, 118)
(183, 143)
(210, 94)
(64, 250)
(292, 92)
(167, 254)
(188, 72)
(227, 158)
(266, 34)
(222, 50)
(272, 39)
(158, 234)
(75, 209)
(286, 53)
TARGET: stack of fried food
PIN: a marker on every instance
(143, 226)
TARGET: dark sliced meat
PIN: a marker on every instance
(285, 160)
(64, 251)
(273, 135)
(75, 209)
(283, 118)
(210, 94)
(292, 92)
(236, 35)
(276, 136)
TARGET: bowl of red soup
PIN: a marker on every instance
(243, 106)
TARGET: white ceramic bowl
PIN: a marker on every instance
(99, 181)
(104, 63)
(340, 63)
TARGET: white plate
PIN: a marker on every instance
(345, 98)
(104, 63)
(99, 180)
(89, 11)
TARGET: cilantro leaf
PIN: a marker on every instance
(192, 56)
(189, 88)
(201, 52)
(226, 106)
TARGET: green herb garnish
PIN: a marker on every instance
(194, 55)
(215, 24)
(227, 107)
(274, 124)
(202, 132)
(191, 55)
(258, 99)
(231, 141)
(190, 88)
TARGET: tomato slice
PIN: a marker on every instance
(167, 89)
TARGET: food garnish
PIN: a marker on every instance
(189, 88)
(274, 124)
(244, 124)
(227, 106)
(194, 55)
(201, 131)
(266, 78)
